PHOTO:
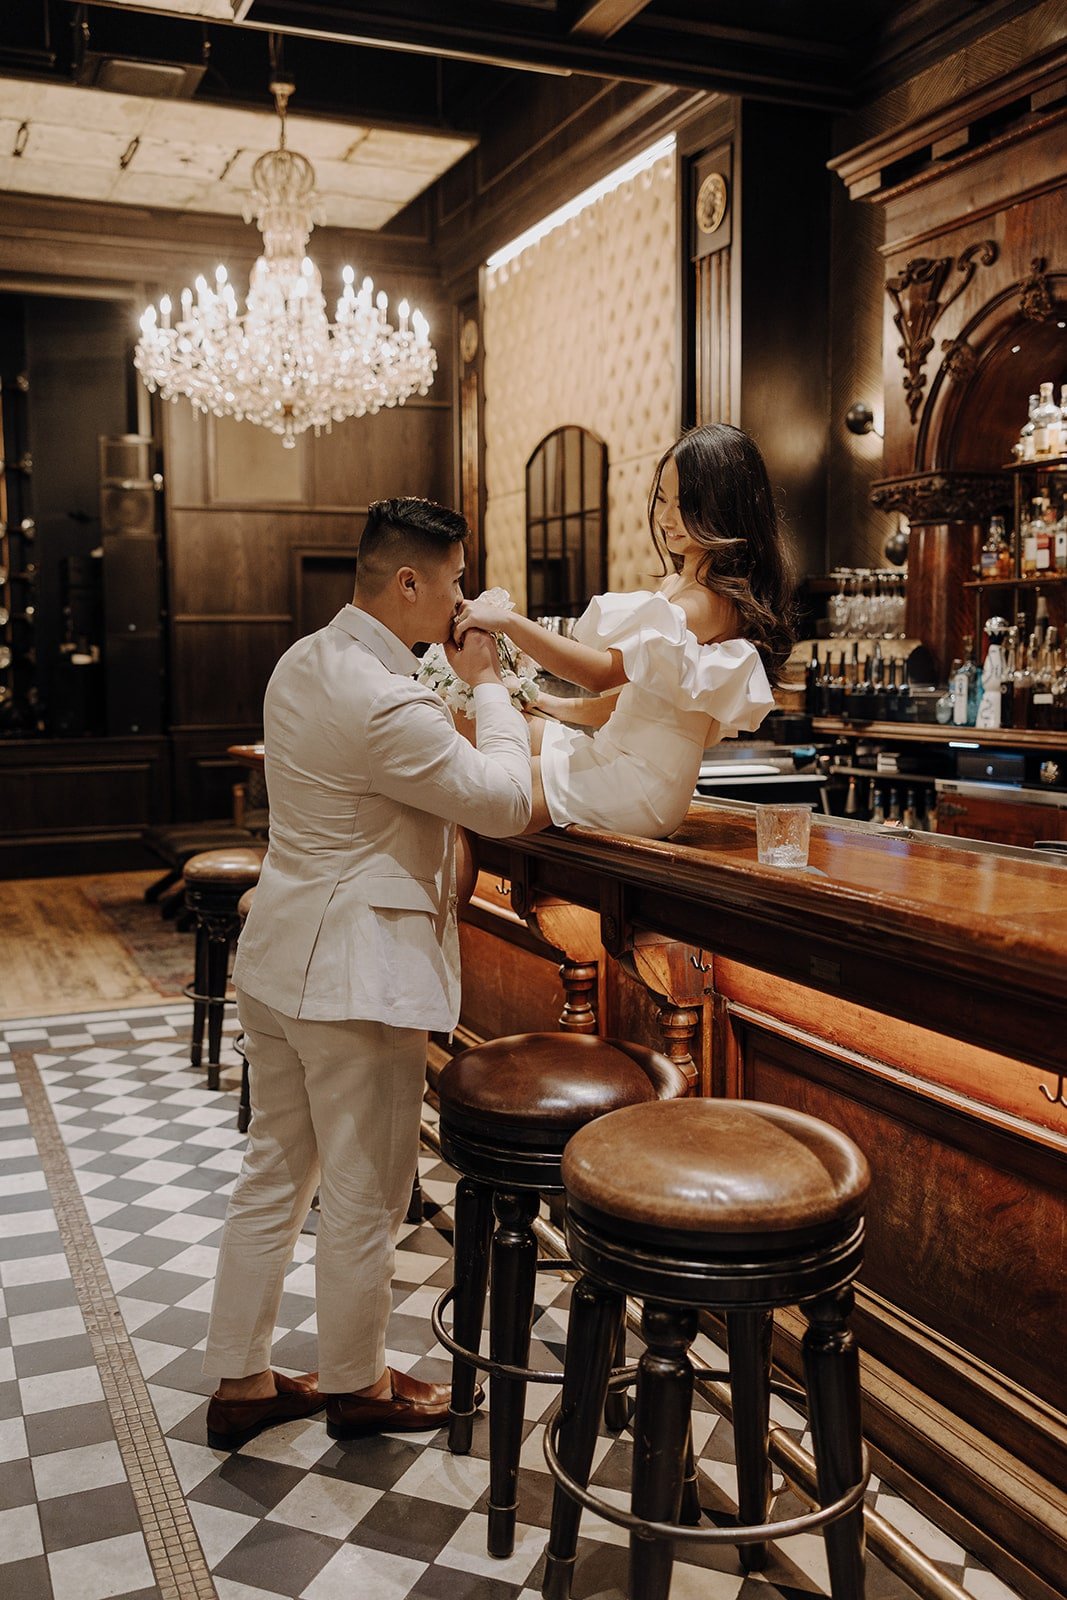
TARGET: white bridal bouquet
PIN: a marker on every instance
(517, 670)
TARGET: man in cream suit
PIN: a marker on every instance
(349, 956)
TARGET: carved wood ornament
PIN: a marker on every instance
(958, 359)
(917, 295)
(944, 496)
(1035, 298)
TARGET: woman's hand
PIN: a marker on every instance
(480, 614)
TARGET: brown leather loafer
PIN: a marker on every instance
(231, 1423)
(412, 1405)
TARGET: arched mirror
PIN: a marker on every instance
(566, 522)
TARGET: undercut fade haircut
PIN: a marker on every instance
(405, 532)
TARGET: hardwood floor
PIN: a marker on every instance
(58, 952)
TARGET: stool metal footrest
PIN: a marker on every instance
(620, 1378)
(736, 1535)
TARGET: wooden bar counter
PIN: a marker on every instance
(912, 991)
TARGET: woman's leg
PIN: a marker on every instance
(539, 817)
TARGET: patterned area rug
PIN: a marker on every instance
(162, 954)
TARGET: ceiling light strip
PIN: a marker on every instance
(588, 197)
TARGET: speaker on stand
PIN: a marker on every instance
(133, 587)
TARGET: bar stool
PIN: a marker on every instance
(508, 1108)
(731, 1206)
(244, 1104)
(214, 884)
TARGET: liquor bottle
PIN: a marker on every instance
(811, 683)
(965, 688)
(1033, 522)
(852, 804)
(1046, 420)
(1007, 682)
(1043, 697)
(990, 705)
(1059, 691)
(893, 816)
(1026, 433)
(1024, 684)
(877, 808)
(910, 817)
(1040, 618)
(1044, 536)
(995, 552)
(1059, 540)
(930, 819)
(944, 710)
(903, 691)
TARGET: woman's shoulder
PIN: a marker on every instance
(709, 617)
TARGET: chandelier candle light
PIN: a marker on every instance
(282, 363)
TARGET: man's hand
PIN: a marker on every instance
(480, 614)
(475, 659)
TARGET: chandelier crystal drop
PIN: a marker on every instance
(282, 363)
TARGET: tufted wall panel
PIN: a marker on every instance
(582, 328)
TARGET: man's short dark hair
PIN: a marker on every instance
(405, 531)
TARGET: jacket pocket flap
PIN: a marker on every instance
(403, 894)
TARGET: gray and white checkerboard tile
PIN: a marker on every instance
(293, 1513)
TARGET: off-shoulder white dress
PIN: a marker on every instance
(638, 772)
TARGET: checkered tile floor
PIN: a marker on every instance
(293, 1514)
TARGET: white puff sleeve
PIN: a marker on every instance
(726, 681)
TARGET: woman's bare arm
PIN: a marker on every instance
(587, 713)
(564, 658)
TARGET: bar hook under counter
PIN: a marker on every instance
(1059, 1098)
(698, 961)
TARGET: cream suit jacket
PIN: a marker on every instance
(355, 911)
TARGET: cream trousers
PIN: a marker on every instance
(335, 1105)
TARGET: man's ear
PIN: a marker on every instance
(407, 580)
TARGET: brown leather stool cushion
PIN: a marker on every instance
(719, 1166)
(554, 1080)
(236, 866)
(244, 905)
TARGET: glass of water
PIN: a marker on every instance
(782, 834)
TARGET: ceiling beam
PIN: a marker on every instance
(727, 61)
(599, 19)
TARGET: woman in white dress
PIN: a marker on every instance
(673, 670)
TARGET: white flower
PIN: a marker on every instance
(517, 671)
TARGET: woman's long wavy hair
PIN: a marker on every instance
(726, 503)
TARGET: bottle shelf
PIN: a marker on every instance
(1044, 581)
(939, 733)
(1057, 463)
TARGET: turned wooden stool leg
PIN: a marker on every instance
(831, 1371)
(244, 1104)
(474, 1229)
(690, 1511)
(593, 1332)
(218, 963)
(512, 1282)
(661, 1429)
(748, 1336)
(415, 1212)
(617, 1405)
(200, 981)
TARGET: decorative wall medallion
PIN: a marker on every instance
(712, 200)
(468, 340)
(944, 496)
(1035, 299)
(959, 360)
(920, 297)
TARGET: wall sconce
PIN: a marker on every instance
(859, 419)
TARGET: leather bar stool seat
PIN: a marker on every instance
(734, 1207)
(215, 881)
(508, 1109)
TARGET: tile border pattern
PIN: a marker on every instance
(178, 1561)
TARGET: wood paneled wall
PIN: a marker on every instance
(261, 547)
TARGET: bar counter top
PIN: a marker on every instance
(968, 940)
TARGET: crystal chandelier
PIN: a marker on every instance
(282, 363)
